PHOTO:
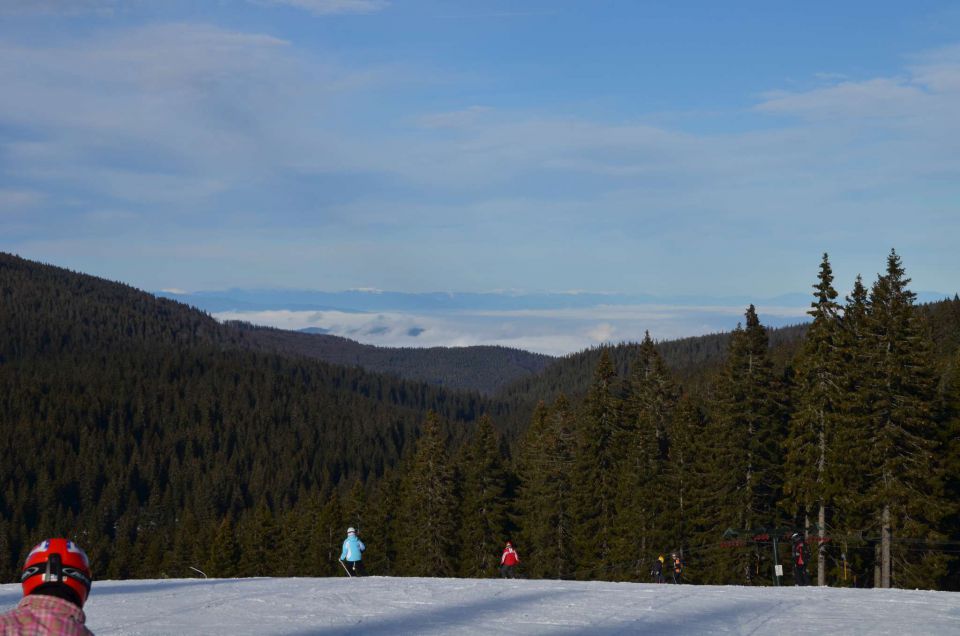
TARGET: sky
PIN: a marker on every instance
(399, 606)
(519, 146)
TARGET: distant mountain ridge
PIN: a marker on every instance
(367, 300)
(554, 324)
(486, 369)
(373, 300)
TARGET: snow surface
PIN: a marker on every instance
(383, 605)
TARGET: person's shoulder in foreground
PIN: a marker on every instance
(56, 583)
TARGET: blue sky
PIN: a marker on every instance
(684, 148)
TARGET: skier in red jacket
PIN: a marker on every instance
(508, 561)
(800, 576)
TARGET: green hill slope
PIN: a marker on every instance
(482, 368)
(122, 412)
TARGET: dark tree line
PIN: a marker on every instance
(147, 430)
(847, 435)
(849, 441)
(163, 441)
(486, 369)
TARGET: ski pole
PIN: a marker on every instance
(345, 568)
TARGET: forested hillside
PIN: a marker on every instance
(162, 441)
(692, 362)
(482, 368)
(130, 420)
(845, 431)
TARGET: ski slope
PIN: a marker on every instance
(382, 605)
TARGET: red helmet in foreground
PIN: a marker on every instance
(57, 562)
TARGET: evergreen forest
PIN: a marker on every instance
(168, 444)
(486, 369)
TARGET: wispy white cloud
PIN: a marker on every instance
(881, 97)
(16, 200)
(603, 332)
(831, 77)
(484, 15)
(58, 7)
(200, 100)
(330, 7)
(110, 216)
(939, 70)
(164, 112)
(190, 121)
(454, 119)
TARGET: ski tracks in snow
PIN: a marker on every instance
(396, 606)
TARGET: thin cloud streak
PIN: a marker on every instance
(330, 7)
(66, 8)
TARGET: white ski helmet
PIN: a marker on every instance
(351, 531)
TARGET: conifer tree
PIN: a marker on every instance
(812, 479)
(185, 551)
(545, 502)
(905, 484)
(124, 557)
(331, 532)
(950, 443)
(685, 486)
(850, 515)
(747, 429)
(641, 528)
(532, 468)
(597, 471)
(428, 524)
(8, 560)
(380, 533)
(483, 516)
(355, 507)
(258, 542)
(295, 529)
(224, 552)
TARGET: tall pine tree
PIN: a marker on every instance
(811, 478)
(483, 517)
(688, 488)
(905, 483)
(428, 524)
(381, 529)
(545, 464)
(597, 472)
(747, 428)
(642, 527)
(950, 443)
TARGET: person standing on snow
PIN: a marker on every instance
(352, 554)
(56, 582)
(657, 570)
(508, 562)
(677, 563)
(800, 575)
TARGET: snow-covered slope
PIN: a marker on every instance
(380, 605)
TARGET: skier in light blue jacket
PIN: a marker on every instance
(352, 554)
